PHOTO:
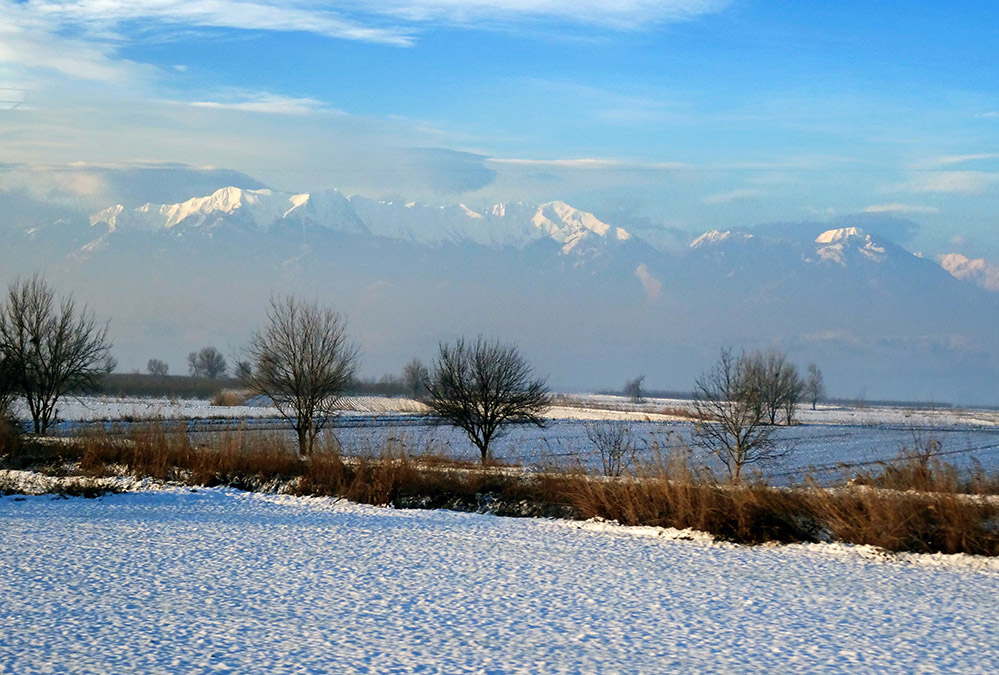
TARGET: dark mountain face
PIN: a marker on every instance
(591, 304)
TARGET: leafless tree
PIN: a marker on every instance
(157, 367)
(633, 389)
(814, 387)
(732, 420)
(776, 383)
(302, 360)
(414, 377)
(208, 362)
(51, 347)
(482, 387)
(8, 387)
(243, 370)
(615, 444)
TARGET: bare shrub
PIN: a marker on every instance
(616, 445)
(230, 398)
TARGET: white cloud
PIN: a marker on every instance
(265, 103)
(741, 195)
(618, 13)
(955, 182)
(961, 159)
(30, 41)
(586, 163)
(106, 16)
(991, 113)
(653, 287)
(901, 208)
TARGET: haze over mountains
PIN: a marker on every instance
(590, 302)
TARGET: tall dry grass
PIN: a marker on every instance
(917, 504)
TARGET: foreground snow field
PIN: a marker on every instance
(177, 581)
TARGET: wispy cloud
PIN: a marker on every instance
(949, 160)
(740, 195)
(618, 13)
(587, 163)
(901, 208)
(953, 182)
(265, 103)
(30, 40)
(990, 114)
(108, 16)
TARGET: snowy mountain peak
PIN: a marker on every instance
(848, 243)
(979, 271)
(716, 237)
(832, 236)
(569, 226)
(108, 216)
(469, 212)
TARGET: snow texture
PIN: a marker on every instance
(217, 581)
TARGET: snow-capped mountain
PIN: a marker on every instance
(978, 271)
(848, 245)
(518, 225)
(591, 301)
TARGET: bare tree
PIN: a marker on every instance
(633, 389)
(414, 377)
(157, 367)
(615, 444)
(208, 362)
(814, 387)
(302, 361)
(51, 347)
(776, 381)
(732, 420)
(244, 369)
(482, 387)
(8, 387)
(794, 388)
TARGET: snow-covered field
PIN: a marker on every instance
(215, 581)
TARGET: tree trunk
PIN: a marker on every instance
(303, 441)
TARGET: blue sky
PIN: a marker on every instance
(694, 114)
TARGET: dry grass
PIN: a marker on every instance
(684, 413)
(918, 504)
(231, 397)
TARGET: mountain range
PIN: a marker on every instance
(590, 302)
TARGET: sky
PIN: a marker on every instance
(690, 114)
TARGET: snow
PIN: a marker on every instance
(837, 235)
(716, 237)
(503, 225)
(837, 244)
(831, 444)
(175, 581)
(978, 271)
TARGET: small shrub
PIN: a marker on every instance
(230, 398)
